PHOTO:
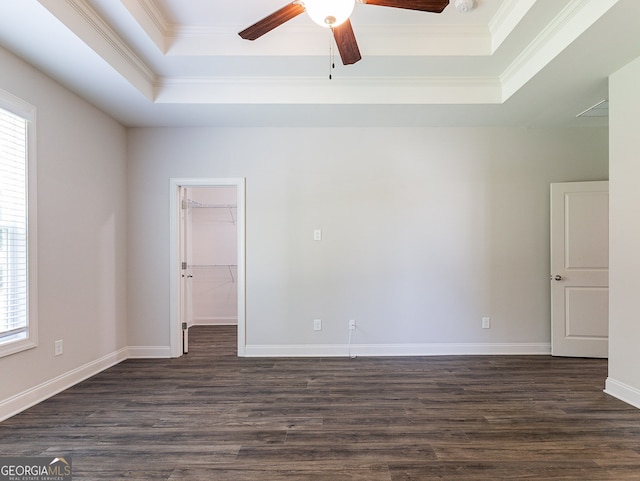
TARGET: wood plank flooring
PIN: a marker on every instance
(212, 416)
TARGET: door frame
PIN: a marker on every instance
(175, 271)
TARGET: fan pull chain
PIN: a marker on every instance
(332, 64)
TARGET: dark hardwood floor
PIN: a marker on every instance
(212, 416)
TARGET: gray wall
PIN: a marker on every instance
(425, 231)
(82, 253)
(624, 232)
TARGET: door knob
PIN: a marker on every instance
(557, 277)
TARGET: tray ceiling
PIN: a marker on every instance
(181, 62)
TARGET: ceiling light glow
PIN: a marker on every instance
(329, 13)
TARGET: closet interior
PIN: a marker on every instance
(213, 261)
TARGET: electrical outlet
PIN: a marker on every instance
(58, 348)
(317, 235)
(486, 323)
(317, 324)
(352, 324)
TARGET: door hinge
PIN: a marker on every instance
(184, 326)
(184, 204)
(184, 266)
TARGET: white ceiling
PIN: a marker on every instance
(181, 62)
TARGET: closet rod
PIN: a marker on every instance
(230, 268)
(199, 266)
(199, 205)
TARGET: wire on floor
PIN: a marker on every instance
(352, 356)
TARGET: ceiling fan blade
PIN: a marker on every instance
(272, 21)
(346, 42)
(434, 6)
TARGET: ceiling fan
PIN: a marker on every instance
(335, 14)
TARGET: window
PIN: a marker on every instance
(18, 322)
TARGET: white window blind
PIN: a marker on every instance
(14, 300)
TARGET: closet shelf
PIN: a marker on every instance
(198, 266)
(192, 204)
(198, 205)
(229, 267)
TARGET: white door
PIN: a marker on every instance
(186, 291)
(580, 269)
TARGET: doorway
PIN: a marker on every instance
(207, 257)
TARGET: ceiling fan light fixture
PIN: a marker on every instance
(329, 13)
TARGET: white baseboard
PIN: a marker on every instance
(215, 321)
(24, 400)
(381, 350)
(622, 391)
(149, 352)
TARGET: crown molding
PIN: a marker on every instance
(510, 13)
(77, 15)
(566, 27)
(152, 20)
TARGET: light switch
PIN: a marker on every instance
(317, 235)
